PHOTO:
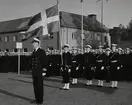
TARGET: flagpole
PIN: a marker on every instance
(82, 24)
(60, 35)
(102, 12)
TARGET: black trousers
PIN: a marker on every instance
(38, 88)
(89, 74)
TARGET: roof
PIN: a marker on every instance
(72, 20)
(69, 20)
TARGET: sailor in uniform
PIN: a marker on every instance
(66, 66)
(114, 67)
(89, 64)
(100, 74)
(107, 64)
(74, 67)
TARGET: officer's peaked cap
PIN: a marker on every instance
(66, 45)
(36, 39)
(100, 46)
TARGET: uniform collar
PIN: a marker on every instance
(36, 49)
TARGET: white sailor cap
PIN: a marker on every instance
(88, 46)
(100, 46)
(36, 39)
(108, 49)
(128, 48)
(113, 45)
(74, 48)
(120, 49)
(66, 45)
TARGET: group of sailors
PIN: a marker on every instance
(109, 65)
(9, 61)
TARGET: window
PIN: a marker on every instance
(15, 38)
(98, 38)
(105, 38)
(15, 49)
(6, 38)
(73, 35)
(25, 49)
(7, 50)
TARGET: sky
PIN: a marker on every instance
(115, 11)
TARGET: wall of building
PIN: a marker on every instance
(67, 36)
(73, 37)
(10, 44)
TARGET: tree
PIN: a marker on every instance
(129, 30)
(130, 25)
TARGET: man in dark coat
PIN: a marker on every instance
(37, 65)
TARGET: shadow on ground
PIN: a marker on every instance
(105, 90)
(14, 95)
(31, 83)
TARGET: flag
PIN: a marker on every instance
(48, 20)
(36, 32)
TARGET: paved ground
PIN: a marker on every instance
(17, 90)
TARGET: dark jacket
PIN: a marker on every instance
(38, 62)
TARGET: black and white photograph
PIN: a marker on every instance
(65, 52)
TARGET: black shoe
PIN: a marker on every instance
(40, 103)
(65, 89)
(116, 87)
(33, 102)
(99, 86)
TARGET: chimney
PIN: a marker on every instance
(92, 16)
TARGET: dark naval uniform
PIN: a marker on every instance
(100, 74)
(74, 71)
(48, 65)
(37, 64)
(56, 62)
(80, 65)
(121, 65)
(67, 59)
(127, 66)
(107, 67)
(89, 62)
(113, 66)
